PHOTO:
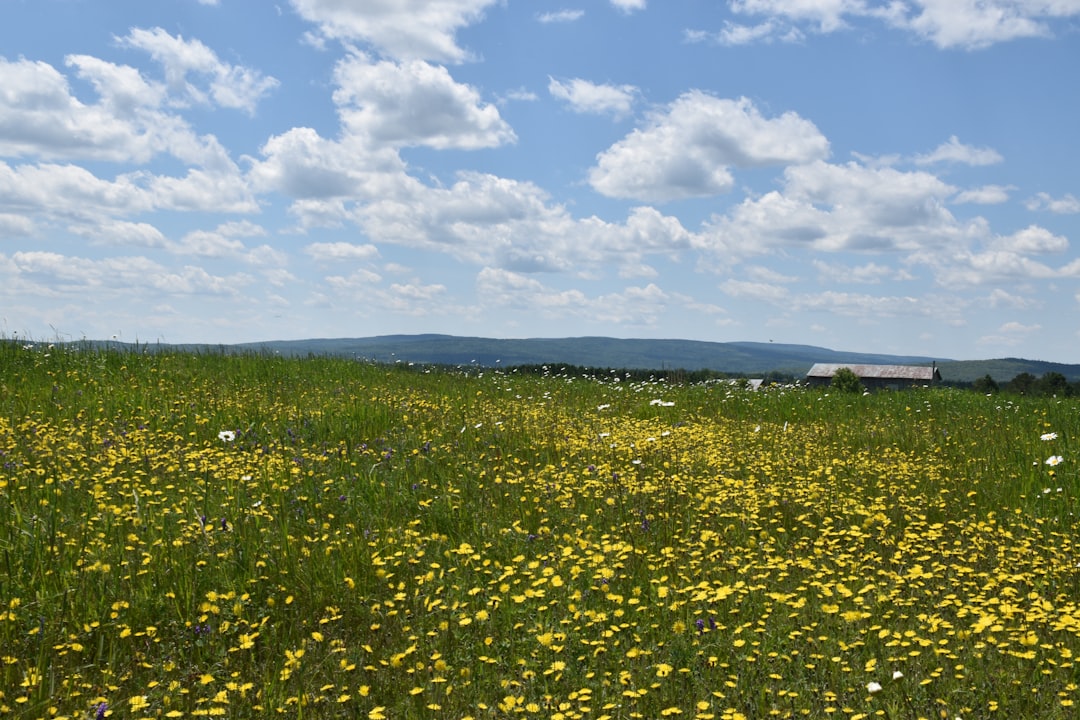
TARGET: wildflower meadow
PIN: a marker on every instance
(187, 535)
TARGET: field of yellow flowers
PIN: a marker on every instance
(187, 535)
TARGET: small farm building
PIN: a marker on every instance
(877, 377)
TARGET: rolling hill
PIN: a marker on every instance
(745, 358)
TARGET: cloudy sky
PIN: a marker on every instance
(891, 176)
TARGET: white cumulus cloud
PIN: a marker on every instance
(227, 85)
(588, 97)
(845, 207)
(402, 29)
(688, 150)
(338, 251)
(560, 16)
(1031, 240)
(985, 195)
(1065, 205)
(954, 151)
(947, 24)
(415, 103)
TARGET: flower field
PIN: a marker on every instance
(187, 535)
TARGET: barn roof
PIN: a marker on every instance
(885, 372)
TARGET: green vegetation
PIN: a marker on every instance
(1003, 370)
(188, 535)
(845, 380)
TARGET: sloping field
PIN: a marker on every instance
(195, 535)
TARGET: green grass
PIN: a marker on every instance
(185, 535)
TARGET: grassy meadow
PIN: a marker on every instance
(187, 535)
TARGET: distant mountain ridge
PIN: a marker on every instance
(746, 358)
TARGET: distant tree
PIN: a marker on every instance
(1053, 383)
(1023, 384)
(985, 385)
(845, 380)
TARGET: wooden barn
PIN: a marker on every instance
(877, 377)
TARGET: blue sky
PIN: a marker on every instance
(893, 177)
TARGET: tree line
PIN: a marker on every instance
(1051, 384)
